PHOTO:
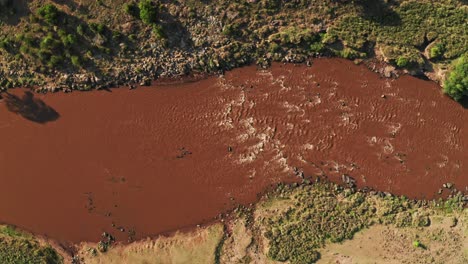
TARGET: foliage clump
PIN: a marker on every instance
(456, 85)
(18, 248)
(49, 13)
(148, 11)
(437, 51)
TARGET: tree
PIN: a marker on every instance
(456, 85)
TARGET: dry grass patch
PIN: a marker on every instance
(198, 246)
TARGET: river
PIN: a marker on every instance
(156, 159)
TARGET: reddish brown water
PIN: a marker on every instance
(157, 159)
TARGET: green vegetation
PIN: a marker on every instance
(221, 35)
(437, 51)
(97, 28)
(49, 12)
(456, 85)
(402, 62)
(52, 44)
(313, 215)
(16, 247)
(416, 243)
(405, 30)
(148, 11)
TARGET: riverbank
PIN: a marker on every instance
(300, 223)
(101, 44)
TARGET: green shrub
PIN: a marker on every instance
(456, 85)
(437, 51)
(274, 47)
(24, 49)
(317, 47)
(55, 61)
(69, 40)
(49, 13)
(159, 31)
(97, 28)
(49, 43)
(402, 62)
(351, 54)
(293, 36)
(5, 43)
(76, 61)
(80, 30)
(148, 11)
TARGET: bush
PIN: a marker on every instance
(5, 43)
(75, 60)
(55, 61)
(49, 12)
(402, 62)
(68, 40)
(351, 54)
(274, 47)
(49, 43)
(97, 28)
(80, 30)
(437, 51)
(317, 47)
(159, 32)
(456, 85)
(148, 11)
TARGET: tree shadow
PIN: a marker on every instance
(464, 102)
(30, 108)
(176, 33)
(11, 11)
(379, 11)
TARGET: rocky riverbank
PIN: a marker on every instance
(100, 44)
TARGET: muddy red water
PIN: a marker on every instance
(162, 158)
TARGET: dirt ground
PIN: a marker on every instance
(198, 246)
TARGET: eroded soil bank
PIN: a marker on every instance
(152, 160)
